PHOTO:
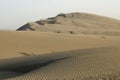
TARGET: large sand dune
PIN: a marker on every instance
(49, 56)
(76, 23)
(90, 50)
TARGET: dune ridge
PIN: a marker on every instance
(84, 64)
(76, 23)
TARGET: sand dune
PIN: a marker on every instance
(13, 43)
(76, 23)
(84, 64)
(89, 51)
(27, 55)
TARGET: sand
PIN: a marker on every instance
(85, 64)
(27, 55)
(76, 23)
(14, 43)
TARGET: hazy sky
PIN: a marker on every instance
(15, 13)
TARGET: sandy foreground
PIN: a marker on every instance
(49, 56)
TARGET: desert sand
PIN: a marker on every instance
(37, 52)
(14, 43)
(76, 23)
(58, 56)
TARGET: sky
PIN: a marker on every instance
(15, 13)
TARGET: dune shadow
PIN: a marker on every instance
(27, 68)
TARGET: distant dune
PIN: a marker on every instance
(76, 23)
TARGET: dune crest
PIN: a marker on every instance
(84, 64)
(76, 23)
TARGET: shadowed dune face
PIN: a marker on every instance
(85, 64)
(76, 23)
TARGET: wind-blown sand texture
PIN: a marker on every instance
(58, 56)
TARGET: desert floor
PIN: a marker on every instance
(27, 55)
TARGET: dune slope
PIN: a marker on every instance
(15, 44)
(49, 56)
(76, 23)
(84, 64)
